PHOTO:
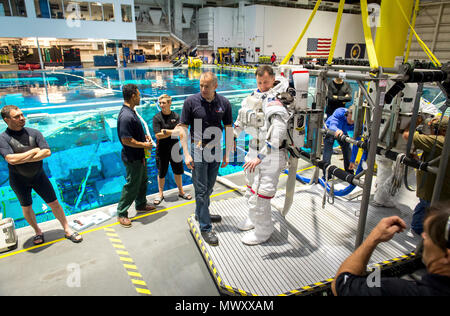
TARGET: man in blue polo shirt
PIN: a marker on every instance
(341, 122)
(207, 114)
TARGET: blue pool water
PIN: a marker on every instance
(77, 113)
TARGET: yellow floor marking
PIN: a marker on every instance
(139, 282)
(130, 266)
(126, 259)
(134, 274)
(143, 291)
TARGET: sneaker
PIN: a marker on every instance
(385, 204)
(124, 222)
(210, 238)
(147, 208)
(411, 233)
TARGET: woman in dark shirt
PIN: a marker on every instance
(167, 149)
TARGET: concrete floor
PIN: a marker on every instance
(159, 245)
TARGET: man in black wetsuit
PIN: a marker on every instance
(24, 149)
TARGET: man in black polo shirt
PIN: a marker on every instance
(205, 112)
(134, 141)
(350, 279)
(24, 149)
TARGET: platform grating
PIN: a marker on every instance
(306, 248)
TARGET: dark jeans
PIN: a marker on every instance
(135, 189)
(328, 151)
(203, 178)
(419, 215)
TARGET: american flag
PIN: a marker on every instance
(318, 47)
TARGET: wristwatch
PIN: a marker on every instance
(164, 131)
(261, 156)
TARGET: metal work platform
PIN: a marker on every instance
(304, 252)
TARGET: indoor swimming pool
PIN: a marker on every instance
(77, 113)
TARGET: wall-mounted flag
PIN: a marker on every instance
(318, 47)
(355, 51)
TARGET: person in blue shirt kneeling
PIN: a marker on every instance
(341, 122)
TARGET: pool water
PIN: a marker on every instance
(78, 118)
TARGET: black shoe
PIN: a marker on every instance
(214, 218)
(210, 238)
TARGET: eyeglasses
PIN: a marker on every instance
(447, 233)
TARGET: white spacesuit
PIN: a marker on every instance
(385, 167)
(266, 120)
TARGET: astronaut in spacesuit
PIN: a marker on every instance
(385, 166)
(265, 118)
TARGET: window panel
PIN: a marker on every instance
(4, 8)
(84, 10)
(56, 9)
(42, 9)
(18, 8)
(96, 11)
(108, 12)
(126, 13)
(72, 10)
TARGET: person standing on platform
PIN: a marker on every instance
(339, 93)
(134, 141)
(207, 113)
(24, 149)
(267, 155)
(167, 148)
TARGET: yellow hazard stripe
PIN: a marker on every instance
(138, 282)
(143, 291)
(130, 267)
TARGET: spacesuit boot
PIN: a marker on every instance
(382, 197)
(264, 188)
(261, 216)
(247, 224)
